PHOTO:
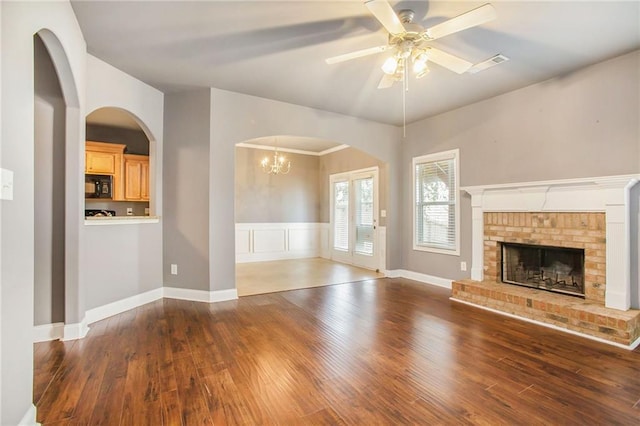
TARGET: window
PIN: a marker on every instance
(341, 216)
(436, 211)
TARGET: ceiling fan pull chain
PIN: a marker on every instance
(404, 102)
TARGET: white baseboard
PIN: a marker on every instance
(417, 276)
(223, 295)
(119, 306)
(76, 330)
(29, 418)
(631, 347)
(63, 331)
(48, 332)
(200, 295)
(186, 294)
(282, 255)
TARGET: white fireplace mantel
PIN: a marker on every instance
(609, 194)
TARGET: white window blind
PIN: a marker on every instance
(436, 202)
(341, 216)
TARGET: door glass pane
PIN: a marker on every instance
(364, 215)
(341, 216)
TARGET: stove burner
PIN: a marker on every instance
(99, 213)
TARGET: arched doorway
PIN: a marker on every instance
(56, 108)
(283, 221)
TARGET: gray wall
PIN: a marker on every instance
(578, 125)
(186, 189)
(49, 190)
(266, 198)
(20, 21)
(347, 160)
(124, 260)
(234, 118)
(237, 118)
(126, 266)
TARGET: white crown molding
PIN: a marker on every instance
(293, 151)
(334, 149)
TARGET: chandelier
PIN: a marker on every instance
(278, 165)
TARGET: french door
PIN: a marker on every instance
(354, 217)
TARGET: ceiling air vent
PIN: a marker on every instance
(494, 60)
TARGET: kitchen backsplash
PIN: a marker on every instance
(120, 207)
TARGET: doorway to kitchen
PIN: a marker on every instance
(49, 195)
(354, 218)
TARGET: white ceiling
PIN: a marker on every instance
(276, 50)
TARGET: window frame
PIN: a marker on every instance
(454, 155)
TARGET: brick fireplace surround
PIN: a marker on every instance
(585, 214)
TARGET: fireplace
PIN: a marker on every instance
(573, 237)
(557, 269)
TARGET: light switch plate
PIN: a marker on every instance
(383, 213)
(6, 184)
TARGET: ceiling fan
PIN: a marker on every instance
(409, 43)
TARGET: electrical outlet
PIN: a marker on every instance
(463, 266)
(129, 211)
(383, 213)
(174, 269)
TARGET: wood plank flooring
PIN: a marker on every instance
(385, 351)
(294, 274)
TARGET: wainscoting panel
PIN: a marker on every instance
(243, 241)
(259, 242)
(269, 240)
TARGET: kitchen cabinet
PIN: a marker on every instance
(136, 172)
(101, 158)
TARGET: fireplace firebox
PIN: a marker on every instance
(556, 269)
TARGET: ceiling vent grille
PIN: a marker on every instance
(494, 60)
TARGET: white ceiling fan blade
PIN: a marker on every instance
(448, 60)
(383, 12)
(386, 81)
(356, 54)
(469, 19)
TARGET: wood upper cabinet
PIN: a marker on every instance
(136, 175)
(102, 158)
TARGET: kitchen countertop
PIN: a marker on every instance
(120, 220)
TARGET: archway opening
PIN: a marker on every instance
(117, 164)
(49, 194)
(284, 227)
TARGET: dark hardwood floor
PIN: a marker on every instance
(387, 351)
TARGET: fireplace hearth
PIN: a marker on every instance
(556, 269)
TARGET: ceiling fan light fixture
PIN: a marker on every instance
(390, 65)
(420, 63)
(424, 72)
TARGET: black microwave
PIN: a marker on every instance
(98, 186)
